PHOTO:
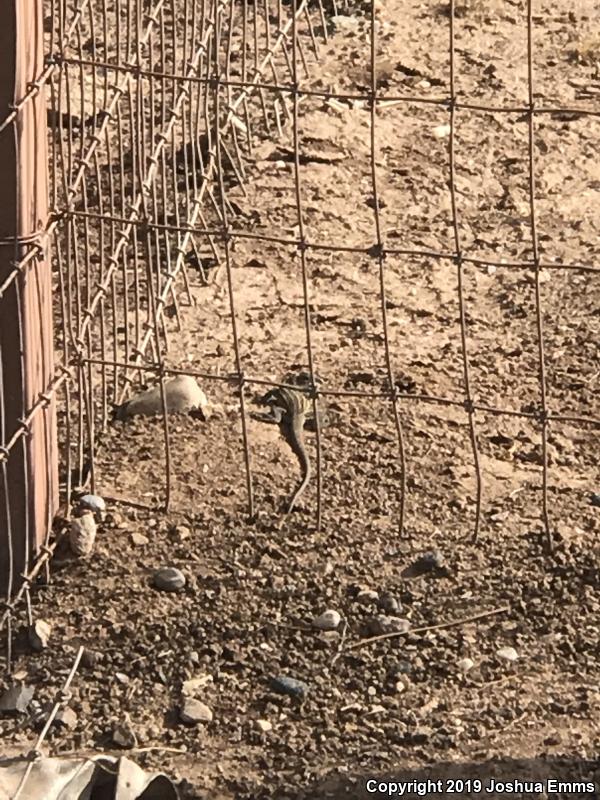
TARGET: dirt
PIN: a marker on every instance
(400, 708)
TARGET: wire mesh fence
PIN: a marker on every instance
(155, 113)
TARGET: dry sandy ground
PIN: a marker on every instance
(400, 707)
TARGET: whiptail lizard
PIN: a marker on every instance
(291, 409)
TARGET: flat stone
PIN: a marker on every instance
(367, 596)
(169, 579)
(181, 394)
(66, 718)
(465, 664)
(507, 654)
(328, 620)
(194, 711)
(124, 736)
(93, 503)
(289, 686)
(39, 634)
(139, 540)
(263, 725)
(16, 699)
(382, 624)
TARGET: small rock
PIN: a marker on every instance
(400, 687)
(181, 394)
(288, 686)
(380, 625)
(595, 500)
(182, 532)
(367, 596)
(66, 718)
(124, 736)
(389, 603)
(39, 634)
(82, 534)
(139, 540)
(327, 621)
(91, 658)
(169, 579)
(191, 687)
(507, 654)
(16, 699)
(441, 131)
(465, 664)
(428, 562)
(93, 503)
(193, 711)
(263, 725)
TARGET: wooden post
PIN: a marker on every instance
(29, 454)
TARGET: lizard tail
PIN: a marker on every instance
(306, 474)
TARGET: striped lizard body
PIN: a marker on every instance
(290, 409)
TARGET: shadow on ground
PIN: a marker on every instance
(554, 778)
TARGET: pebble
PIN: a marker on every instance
(169, 579)
(367, 596)
(139, 540)
(383, 624)
(181, 394)
(16, 699)
(465, 664)
(263, 725)
(327, 621)
(38, 635)
(389, 603)
(431, 560)
(400, 687)
(595, 500)
(441, 131)
(290, 686)
(93, 503)
(507, 654)
(124, 736)
(194, 711)
(66, 718)
(82, 534)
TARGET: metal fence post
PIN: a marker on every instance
(28, 442)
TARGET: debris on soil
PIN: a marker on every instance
(39, 635)
(16, 699)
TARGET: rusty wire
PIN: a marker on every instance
(121, 224)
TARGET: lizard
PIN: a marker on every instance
(292, 409)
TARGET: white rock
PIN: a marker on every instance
(93, 503)
(39, 634)
(367, 596)
(181, 394)
(441, 131)
(507, 654)
(465, 664)
(82, 534)
(193, 711)
(263, 725)
(328, 620)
